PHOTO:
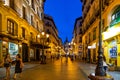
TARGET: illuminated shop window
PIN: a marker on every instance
(13, 50)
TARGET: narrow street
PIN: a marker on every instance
(56, 70)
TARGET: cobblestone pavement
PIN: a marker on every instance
(57, 70)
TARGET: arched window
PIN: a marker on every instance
(116, 13)
(12, 27)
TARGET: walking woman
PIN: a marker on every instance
(7, 63)
(18, 66)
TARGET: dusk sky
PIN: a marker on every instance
(64, 13)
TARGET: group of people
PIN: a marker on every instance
(7, 61)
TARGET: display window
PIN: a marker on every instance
(13, 50)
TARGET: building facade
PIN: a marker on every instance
(54, 39)
(20, 23)
(66, 46)
(77, 39)
(110, 30)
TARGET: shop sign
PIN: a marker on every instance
(117, 20)
(113, 49)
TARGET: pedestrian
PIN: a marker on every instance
(18, 66)
(7, 64)
(105, 66)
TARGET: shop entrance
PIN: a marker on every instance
(89, 56)
(24, 52)
(37, 54)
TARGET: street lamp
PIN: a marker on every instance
(43, 39)
(100, 73)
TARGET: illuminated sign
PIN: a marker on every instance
(113, 49)
(93, 46)
(113, 31)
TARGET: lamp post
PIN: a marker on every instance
(43, 39)
(100, 73)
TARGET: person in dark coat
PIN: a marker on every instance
(18, 66)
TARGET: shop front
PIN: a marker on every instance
(92, 53)
(6, 46)
(111, 42)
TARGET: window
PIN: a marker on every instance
(32, 21)
(48, 31)
(94, 34)
(31, 36)
(12, 27)
(11, 3)
(116, 13)
(37, 11)
(80, 31)
(89, 38)
(24, 13)
(80, 40)
(32, 4)
(37, 27)
(23, 33)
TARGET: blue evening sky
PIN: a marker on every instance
(64, 13)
